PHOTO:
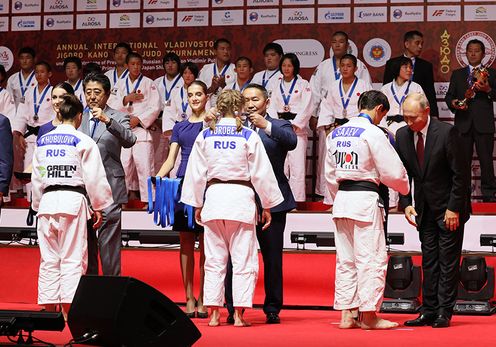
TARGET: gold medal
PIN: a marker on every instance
(344, 113)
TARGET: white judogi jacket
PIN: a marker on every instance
(359, 151)
(7, 105)
(267, 76)
(79, 91)
(207, 73)
(112, 75)
(226, 155)
(25, 112)
(324, 75)
(164, 84)
(14, 85)
(146, 110)
(66, 156)
(332, 106)
(299, 103)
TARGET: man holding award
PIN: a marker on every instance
(470, 96)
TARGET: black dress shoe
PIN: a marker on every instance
(230, 318)
(273, 318)
(441, 322)
(421, 320)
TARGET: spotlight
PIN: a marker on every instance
(402, 286)
(476, 287)
(12, 323)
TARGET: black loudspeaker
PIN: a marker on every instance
(123, 311)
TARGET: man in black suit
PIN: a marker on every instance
(430, 152)
(475, 118)
(278, 138)
(6, 157)
(423, 74)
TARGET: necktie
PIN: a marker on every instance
(94, 125)
(420, 149)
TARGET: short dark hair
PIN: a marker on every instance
(340, 33)
(350, 57)
(65, 86)
(92, 67)
(99, 78)
(243, 58)
(3, 73)
(477, 42)
(411, 34)
(397, 64)
(45, 64)
(260, 88)
(191, 67)
(133, 55)
(27, 50)
(221, 40)
(274, 47)
(124, 45)
(75, 60)
(171, 56)
(294, 61)
(201, 84)
(70, 107)
(371, 99)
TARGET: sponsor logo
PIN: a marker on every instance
(298, 16)
(187, 19)
(376, 52)
(116, 3)
(91, 22)
(490, 47)
(334, 15)
(17, 5)
(254, 2)
(309, 51)
(441, 89)
(219, 2)
(26, 24)
(227, 15)
(50, 22)
(59, 5)
(397, 13)
(152, 2)
(253, 16)
(6, 57)
(346, 160)
(438, 13)
(149, 19)
(443, 13)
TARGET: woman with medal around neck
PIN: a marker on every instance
(183, 137)
(291, 99)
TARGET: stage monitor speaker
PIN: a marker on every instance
(123, 311)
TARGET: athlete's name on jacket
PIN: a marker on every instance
(58, 139)
(345, 131)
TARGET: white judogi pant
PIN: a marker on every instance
(141, 157)
(320, 182)
(28, 160)
(361, 263)
(221, 238)
(64, 256)
(295, 164)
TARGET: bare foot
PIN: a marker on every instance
(370, 321)
(238, 318)
(214, 318)
(348, 320)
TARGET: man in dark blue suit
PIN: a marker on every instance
(6, 156)
(278, 138)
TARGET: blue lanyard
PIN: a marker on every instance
(184, 105)
(414, 61)
(366, 116)
(78, 84)
(223, 72)
(124, 74)
(400, 102)
(23, 89)
(337, 73)
(265, 81)
(36, 104)
(284, 97)
(243, 87)
(1, 89)
(348, 98)
(168, 92)
(140, 78)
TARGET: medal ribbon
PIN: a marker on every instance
(140, 78)
(184, 105)
(223, 72)
(168, 92)
(284, 97)
(36, 104)
(366, 116)
(265, 81)
(243, 87)
(124, 74)
(400, 102)
(348, 98)
(337, 73)
(23, 89)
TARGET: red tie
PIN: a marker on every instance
(420, 149)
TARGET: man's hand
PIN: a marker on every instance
(482, 86)
(266, 218)
(410, 213)
(198, 216)
(455, 105)
(97, 219)
(97, 113)
(258, 120)
(451, 220)
(133, 122)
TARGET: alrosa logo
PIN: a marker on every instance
(298, 16)
(59, 5)
(91, 22)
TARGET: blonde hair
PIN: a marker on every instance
(230, 102)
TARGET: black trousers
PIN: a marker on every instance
(108, 243)
(271, 244)
(484, 147)
(441, 252)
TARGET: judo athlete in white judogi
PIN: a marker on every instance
(138, 96)
(19, 82)
(120, 71)
(35, 111)
(291, 99)
(66, 166)
(272, 56)
(358, 158)
(7, 105)
(230, 162)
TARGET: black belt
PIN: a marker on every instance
(397, 118)
(286, 115)
(340, 121)
(60, 187)
(31, 131)
(358, 186)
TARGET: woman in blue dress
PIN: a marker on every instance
(183, 137)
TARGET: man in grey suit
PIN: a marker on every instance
(110, 130)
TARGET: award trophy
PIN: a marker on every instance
(478, 75)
